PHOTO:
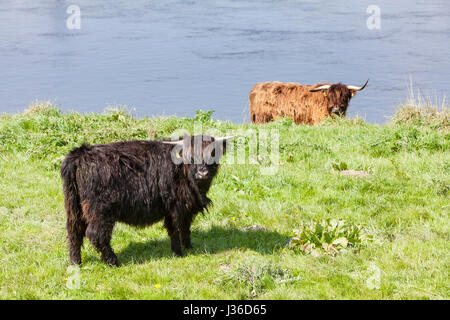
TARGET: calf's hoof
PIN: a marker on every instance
(187, 245)
(75, 262)
(112, 261)
(178, 253)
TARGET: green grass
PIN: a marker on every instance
(403, 204)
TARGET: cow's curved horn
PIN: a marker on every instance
(358, 88)
(324, 87)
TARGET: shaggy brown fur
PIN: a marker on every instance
(271, 100)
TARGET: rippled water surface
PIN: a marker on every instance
(173, 57)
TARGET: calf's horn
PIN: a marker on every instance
(179, 142)
(358, 88)
(222, 139)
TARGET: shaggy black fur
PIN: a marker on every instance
(135, 182)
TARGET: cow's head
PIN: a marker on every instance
(199, 154)
(338, 96)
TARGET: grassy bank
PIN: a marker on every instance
(400, 202)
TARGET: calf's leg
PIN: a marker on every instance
(99, 234)
(186, 238)
(171, 224)
(185, 231)
(75, 234)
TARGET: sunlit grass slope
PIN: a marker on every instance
(401, 202)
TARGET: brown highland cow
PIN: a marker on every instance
(307, 104)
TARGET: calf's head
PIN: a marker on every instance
(200, 155)
(338, 96)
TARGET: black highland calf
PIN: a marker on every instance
(138, 183)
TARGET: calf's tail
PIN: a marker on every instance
(76, 226)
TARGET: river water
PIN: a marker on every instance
(173, 57)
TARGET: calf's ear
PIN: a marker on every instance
(223, 141)
(177, 151)
(219, 147)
